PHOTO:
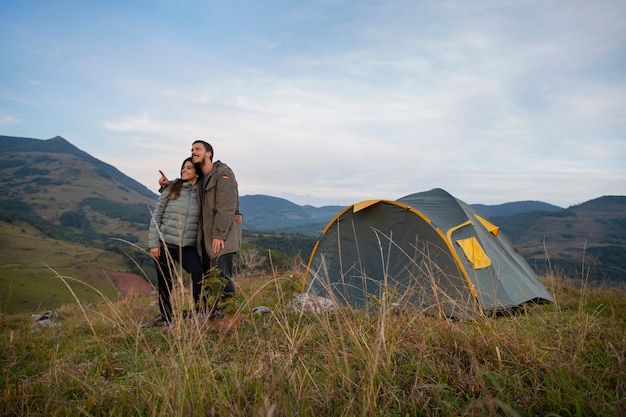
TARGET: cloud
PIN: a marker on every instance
(8, 120)
(31, 81)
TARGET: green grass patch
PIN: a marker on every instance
(564, 359)
(28, 281)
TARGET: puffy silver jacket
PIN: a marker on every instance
(177, 220)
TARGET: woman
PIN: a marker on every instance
(172, 236)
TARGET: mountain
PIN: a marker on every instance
(66, 213)
(14, 146)
(509, 209)
(60, 185)
(273, 214)
(586, 241)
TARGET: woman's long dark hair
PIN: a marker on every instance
(174, 191)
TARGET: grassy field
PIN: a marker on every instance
(561, 359)
(30, 263)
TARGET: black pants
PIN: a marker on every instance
(224, 263)
(189, 259)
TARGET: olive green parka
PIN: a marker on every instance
(219, 198)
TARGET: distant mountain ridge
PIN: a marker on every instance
(509, 209)
(274, 214)
(586, 241)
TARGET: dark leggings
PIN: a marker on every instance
(190, 260)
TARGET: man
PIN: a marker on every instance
(219, 233)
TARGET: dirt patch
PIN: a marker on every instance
(131, 284)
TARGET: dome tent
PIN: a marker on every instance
(427, 251)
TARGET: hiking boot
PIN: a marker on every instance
(155, 322)
(216, 314)
(159, 321)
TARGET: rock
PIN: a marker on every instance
(46, 319)
(310, 303)
(260, 310)
(48, 315)
(46, 323)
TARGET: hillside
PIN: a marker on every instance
(16, 152)
(58, 202)
(31, 265)
(273, 214)
(585, 241)
(517, 207)
(59, 184)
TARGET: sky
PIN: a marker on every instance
(332, 102)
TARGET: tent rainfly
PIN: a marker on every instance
(427, 251)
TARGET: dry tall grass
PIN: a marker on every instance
(561, 359)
